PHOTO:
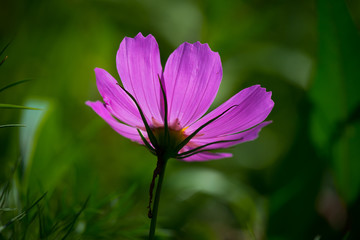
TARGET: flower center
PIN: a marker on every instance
(169, 140)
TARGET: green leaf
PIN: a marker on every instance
(335, 97)
(28, 136)
(334, 91)
(346, 163)
(48, 151)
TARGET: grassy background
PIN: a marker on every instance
(299, 180)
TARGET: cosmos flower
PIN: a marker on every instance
(164, 110)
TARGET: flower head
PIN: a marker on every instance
(163, 110)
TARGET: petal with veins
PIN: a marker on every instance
(232, 139)
(205, 156)
(122, 129)
(139, 67)
(118, 103)
(192, 77)
(252, 106)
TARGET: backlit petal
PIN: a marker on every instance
(206, 156)
(233, 139)
(117, 102)
(139, 67)
(122, 129)
(251, 106)
(192, 77)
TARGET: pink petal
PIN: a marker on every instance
(117, 101)
(192, 77)
(122, 129)
(246, 136)
(139, 67)
(251, 106)
(206, 156)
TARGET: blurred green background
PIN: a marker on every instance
(299, 180)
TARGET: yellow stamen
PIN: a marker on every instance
(184, 129)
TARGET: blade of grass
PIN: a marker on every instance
(12, 106)
(12, 125)
(3, 60)
(14, 84)
(70, 226)
(6, 46)
(6, 188)
(4, 193)
(21, 215)
(3, 50)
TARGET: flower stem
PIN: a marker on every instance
(162, 164)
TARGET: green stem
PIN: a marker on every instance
(162, 161)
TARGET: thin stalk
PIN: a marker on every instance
(162, 161)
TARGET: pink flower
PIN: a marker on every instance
(164, 110)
